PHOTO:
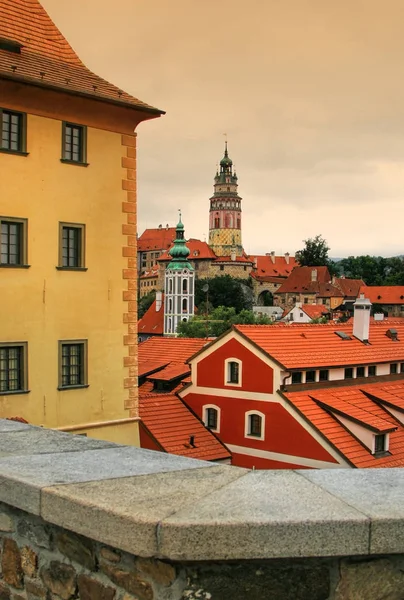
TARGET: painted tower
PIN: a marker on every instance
(225, 212)
(179, 284)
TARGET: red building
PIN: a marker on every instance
(305, 396)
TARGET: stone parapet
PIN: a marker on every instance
(82, 518)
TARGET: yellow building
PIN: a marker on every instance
(68, 276)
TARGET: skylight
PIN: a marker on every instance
(343, 335)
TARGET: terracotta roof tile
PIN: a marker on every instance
(300, 280)
(149, 273)
(198, 250)
(275, 266)
(160, 238)
(349, 287)
(384, 294)
(176, 350)
(47, 59)
(171, 423)
(172, 371)
(153, 320)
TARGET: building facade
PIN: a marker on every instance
(68, 343)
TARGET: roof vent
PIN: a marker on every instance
(343, 335)
(379, 297)
(392, 334)
(192, 441)
(10, 46)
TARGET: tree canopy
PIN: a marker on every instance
(223, 291)
(219, 320)
(145, 303)
(374, 270)
(315, 254)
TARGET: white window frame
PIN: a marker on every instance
(247, 423)
(226, 372)
(205, 416)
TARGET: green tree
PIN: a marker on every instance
(219, 321)
(144, 303)
(315, 254)
(223, 291)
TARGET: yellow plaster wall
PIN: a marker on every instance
(42, 305)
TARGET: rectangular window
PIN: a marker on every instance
(360, 371)
(372, 371)
(13, 126)
(255, 425)
(380, 443)
(393, 368)
(324, 375)
(71, 246)
(13, 241)
(310, 376)
(233, 372)
(349, 373)
(211, 414)
(72, 364)
(402, 368)
(13, 377)
(74, 143)
(297, 377)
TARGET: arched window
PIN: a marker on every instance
(170, 286)
(170, 305)
(255, 424)
(211, 416)
(217, 222)
(184, 305)
(185, 286)
(232, 369)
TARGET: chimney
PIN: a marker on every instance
(314, 274)
(167, 226)
(378, 316)
(273, 256)
(361, 319)
(192, 441)
(159, 299)
(287, 257)
(160, 226)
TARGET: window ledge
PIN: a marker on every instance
(72, 268)
(14, 392)
(72, 387)
(255, 437)
(17, 152)
(7, 266)
(66, 161)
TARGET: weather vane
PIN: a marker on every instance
(179, 213)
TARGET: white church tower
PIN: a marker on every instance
(179, 285)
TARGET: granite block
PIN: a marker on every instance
(265, 514)
(377, 493)
(23, 477)
(125, 513)
(10, 426)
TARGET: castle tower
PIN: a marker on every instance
(179, 285)
(225, 211)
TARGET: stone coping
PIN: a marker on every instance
(154, 504)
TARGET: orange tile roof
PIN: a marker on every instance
(153, 320)
(344, 441)
(239, 259)
(349, 287)
(198, 251)
(160, 238)
(47, 59)
(171, 423)
(172, 371)
(384, 294)
(275, 266)
(300, 280)
(317, 345)
(327, 290)
(391, 394)
(149, 273)
(315, 311)
(176, 350)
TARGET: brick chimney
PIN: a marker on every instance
(361, 321)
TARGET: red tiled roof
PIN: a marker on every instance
(275, 266)
(172, 371)
(344, 441)
(315, 311)
(153, 320)
(317, 345)
(327, 290)
(267, 279)
(176, 350)
(349, 287)
(171, 423)
(156, 239)
(239, 259)
(198, 251)
(300, 280)
(150, 366)
(47, 59)
(384, 294)
(152, 272)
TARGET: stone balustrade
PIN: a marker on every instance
(88, 519)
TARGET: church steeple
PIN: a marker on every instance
(225, 210)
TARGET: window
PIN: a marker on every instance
(310, 376)
(232, 372)
(217, 223)
(74, 138)
(13, 234)
(380, 443)
(349, 373)
(372, 371)
(402, 368)
(254, 424)
(360, 371)
(184, 305)
(393, 368)
(13, 129)
(71, 246)
(211, 417)
(13, 374)
(297, 377)
(72, 364)
(324, 375)
(185, 286)
(222, 267)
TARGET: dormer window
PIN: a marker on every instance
(297, 377)
(233, 372)
(380, 444)
(393, 368)
(10, 45)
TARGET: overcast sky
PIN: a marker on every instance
(309, 92)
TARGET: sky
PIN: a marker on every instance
(309, 92)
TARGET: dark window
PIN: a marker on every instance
(12, 241)
(324, 374)
(372, 371)
(217, 223)
(232, 372)
(222, 267)
(297, 377)
(185, 286)
(72, 364)
(255, 425)
(393, 368)
(74, 143)
(12, 131)
(12, 378)
(310, 376)
(402, 367)
(184, 305)
(380, 443)
(360, 371)
(211, 418)
(71, 253)
(349, 373)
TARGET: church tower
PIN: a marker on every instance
(179, 285)
(225, 212)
